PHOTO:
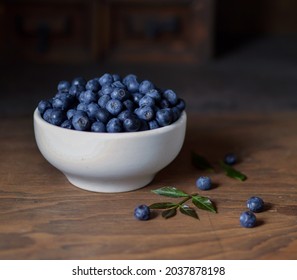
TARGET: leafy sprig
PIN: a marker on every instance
(170, 208)
(203, 164)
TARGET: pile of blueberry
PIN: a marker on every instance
(111, 104)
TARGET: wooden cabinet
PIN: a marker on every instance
(121, 30)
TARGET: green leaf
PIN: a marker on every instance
(203, 203)
(170, 192)
(186, 210)
(233, 173)
(202, 163)
(163, 205)
(169, 213)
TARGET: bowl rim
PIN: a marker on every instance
(182, 119)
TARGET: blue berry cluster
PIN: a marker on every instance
(111, 104)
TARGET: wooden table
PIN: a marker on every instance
(42, 216)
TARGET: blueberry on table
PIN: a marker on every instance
(255, 204)
(142, 212)
(247, 219)
(230, 158)
(204, 183)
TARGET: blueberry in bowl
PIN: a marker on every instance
(103, 138)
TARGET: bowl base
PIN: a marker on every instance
(110, 186)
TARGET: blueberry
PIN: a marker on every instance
(82, 107)
(176, 113)
(81, 121)
(255, 204)
(131, 124)
(87, 97)
(171, 96)
(114, 106)
(106, 89)
(118, 84)
(70, 113)
(116, 77)
(129, 104)
(164, 117)
(230, 159)
(76, 90)
(128, 78)
(47, 115)
(155, 94)
(164, 103)
(92, 110)
(98, 127)
(102, 101)
(125, 114)
(146, 101)
(120, 94)
(67, 124)
(79, 81)
(153, 124)
(63, 86)
(247, 219)
(114, 126)
(204, 183)
(57, 116)
(181, 104)
(43, 105)
(131, 83)
(62, 102)
(146, 86)
(144, 125)
(142, 212)
(136, 97)
(146, 113)
(93, 85)
(105, 79)
(102, 115)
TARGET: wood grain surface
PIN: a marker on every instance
(42, 216)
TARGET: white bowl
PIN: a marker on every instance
(109, 162)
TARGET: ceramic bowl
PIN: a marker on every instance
(109, 162)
